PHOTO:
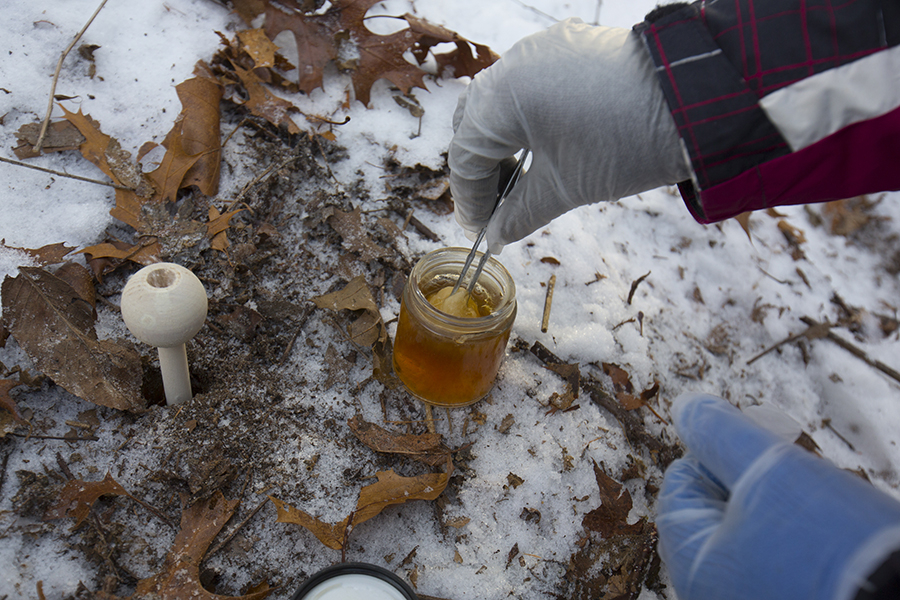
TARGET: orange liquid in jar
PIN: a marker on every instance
(443, 368)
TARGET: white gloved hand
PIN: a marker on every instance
(585, 100)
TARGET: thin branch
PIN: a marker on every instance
(537, 11)
(61, 174)
(635, 285)
(234, 531)
(259, 178)
(59, 64)
(29, 436)
(3, 469)
(429, 419)
(548, 302)
(819, 330)
(855, 351)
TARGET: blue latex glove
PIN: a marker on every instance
(747, 515)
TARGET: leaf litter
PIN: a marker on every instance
(292, 372)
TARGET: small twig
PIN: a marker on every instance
(258, 178)
(635, 285)
(854, 350)
(61, 174)
(420, 227)
(828, 425)
(548, 302)
(631, 320)
(813, 332)
(346, 539)
(429, 419)
(324, 120)
(237, 528)
(290, 347)
(537, 11)
(87, 438)
(59, 64)
(773, 278)
(3, 470)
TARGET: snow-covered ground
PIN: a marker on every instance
(713, 298)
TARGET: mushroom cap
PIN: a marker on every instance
(164, 305)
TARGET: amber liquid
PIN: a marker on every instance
(443, 370)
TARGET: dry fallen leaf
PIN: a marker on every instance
(180, 575)
(106, 153)
(611, 517)
(390, 489)
(572, 375)
(50, 254)
(394, 489)
(79, 279)
(249, 61)
(462, 60)
(216, 229)
(743, 220)
(60, 136)
(850, 215)
(330, 534)
(355, 233)
(106, 257)
(368, 329)
(193, 149)
(320, 37)
(55, 327)
(8, 404)
(428, 448)
(77, 498)
(794, 235)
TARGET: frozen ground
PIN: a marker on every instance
(274, 418)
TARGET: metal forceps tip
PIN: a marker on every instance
(487, 253)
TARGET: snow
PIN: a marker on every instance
(703, 281)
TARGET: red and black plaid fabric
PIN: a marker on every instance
(716, 59)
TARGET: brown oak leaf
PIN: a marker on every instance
(7, 403)
(428, 448)
(107, 155)
(180, 575)
(50, 254)
(611, 517)
(193, 150)
(77, 498)
(55, 327)
(390, 489)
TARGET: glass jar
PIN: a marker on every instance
(446, 360)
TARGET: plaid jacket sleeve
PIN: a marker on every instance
(780, 101)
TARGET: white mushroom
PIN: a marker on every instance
(164, 305)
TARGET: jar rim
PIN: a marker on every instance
(455, 255)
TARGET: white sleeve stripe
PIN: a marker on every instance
(816, 107)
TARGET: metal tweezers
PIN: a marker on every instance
(487, 252)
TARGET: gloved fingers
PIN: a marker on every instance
(538, 198)
(488, 127)
(690, 509)
(460, 108)
(719, 436)
(474, 201)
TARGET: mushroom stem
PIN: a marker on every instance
(176, 377)
(164, 305)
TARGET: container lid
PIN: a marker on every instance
(354, 581)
